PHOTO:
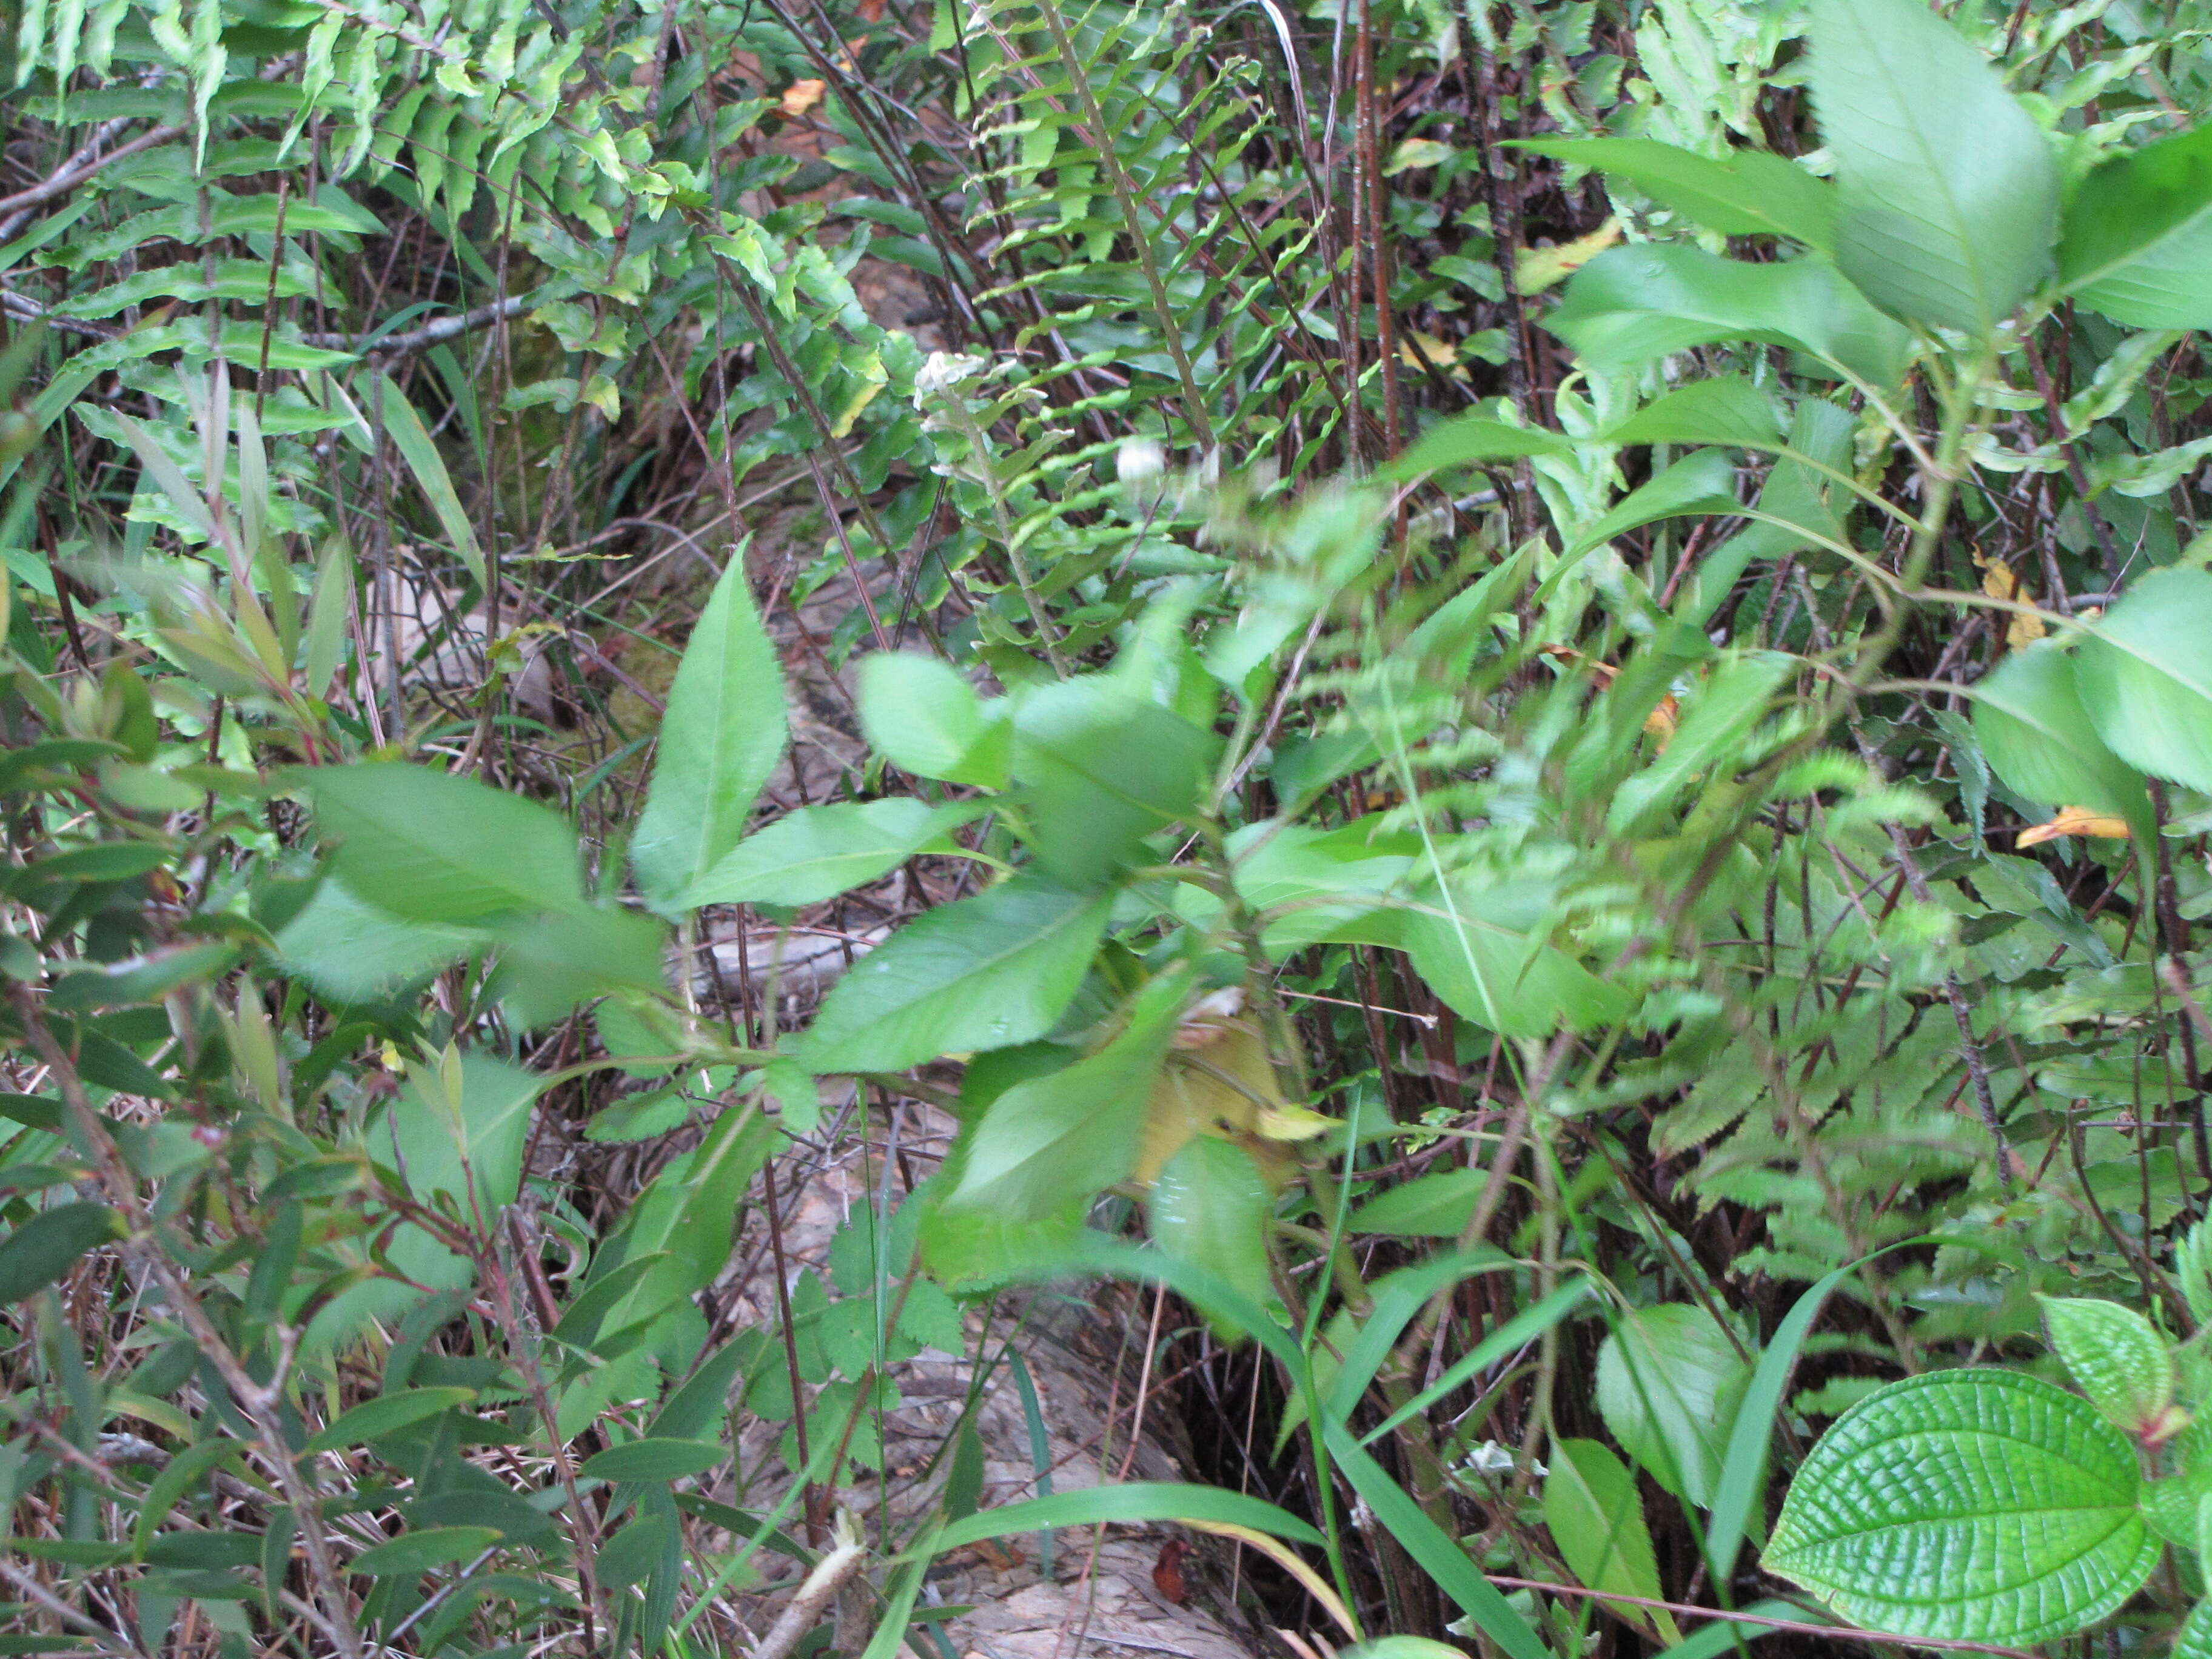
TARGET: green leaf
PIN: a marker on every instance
(987, 972)
(1980, 1505)
(2194, 1641)
(925, 719)
(416, 1552)
(420, 451)
(1427, 1207)
(820, 851)
(2037, 735)
(432, 847)
(720, 738)
(50, 1243)
(1479, 949)
(1702, 482)
(1071, 1132)
(1750, 193)
(550, 962)
(1104, 767)
(1738, 695)
(386, 1414)
(1469, 440)
(2120, 1362)
(1212, 1205)
(1724, 410)
(2135, 243)
(1949, 194)
(654, 1460)
(1596, 1520)
(1138, 1500)
(349, 951)
(2145, 677)
(1669, 1381)
(1631, 305)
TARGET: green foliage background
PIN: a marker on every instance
(1526, 707)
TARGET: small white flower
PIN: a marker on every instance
(1490, 1458)
(1139, 459)
(947, 369)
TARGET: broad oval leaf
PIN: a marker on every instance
(2145, 677)
(1428, 1206)
(2120, 1362)
(2136, 241)
(1980, 1505)
(1948, 192)
(1104, 767)
(1724, 410)
(720, 738)
(2037, 735)
(1749, 193)
(1632, 305)
(987, 972)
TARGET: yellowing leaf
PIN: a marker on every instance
(2074, 821)
(1417, 153)
(1999, 583)
(1416, 348)
(801, 96)
(1282, 1555)
(1221, 1084)
(1538, 268)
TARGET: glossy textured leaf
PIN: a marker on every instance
(1982, 1505)
(2118, 1360)
(1632, 305)
(2145, 677)
(1596, 1520)
(1749, 193)
(720, 738)
(2039, 737)
(432, 847)
(988, 972)
(2194, 1641)
(1949, 194)
(2137, 239)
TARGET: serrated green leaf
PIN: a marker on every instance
(1948, 192)
(1596, 1520)
(1669, 1381)
(1980, 1506)
(2119, 1361)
